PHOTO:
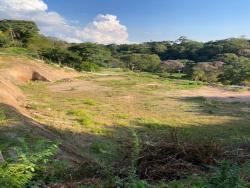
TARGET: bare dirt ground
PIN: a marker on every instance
(216, 93)
(77, 85)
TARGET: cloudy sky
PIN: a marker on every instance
(124, 21)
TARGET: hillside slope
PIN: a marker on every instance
(101, 122)
(15, 71)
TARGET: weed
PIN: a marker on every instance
(90, 102)
(122, 116)
(99, 147)
(29, 164)
(3, 116)
(83, 117)
(227, 176)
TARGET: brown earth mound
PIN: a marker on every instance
(17, 71)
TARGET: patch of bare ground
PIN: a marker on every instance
(215, 93)
(77, 85)
(108, 78)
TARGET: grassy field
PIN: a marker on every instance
(103, 114)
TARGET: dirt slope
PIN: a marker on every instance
(15, 71)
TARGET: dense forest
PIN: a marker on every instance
(224, 61)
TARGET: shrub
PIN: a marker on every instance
(227, 176)
(16, 175)
(207, 71)
(89, 67)
(30, 163)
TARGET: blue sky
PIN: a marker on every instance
(165, 19)
(122, 21)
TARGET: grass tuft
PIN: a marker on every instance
(82, 117)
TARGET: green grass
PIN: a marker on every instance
(82, 117)
(16, 51)
(90, 102)
(99, 121)
(3, 116)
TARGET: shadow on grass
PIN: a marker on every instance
(113, 150)
(220, 106)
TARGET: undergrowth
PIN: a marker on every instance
(2, 116)
(26, 166)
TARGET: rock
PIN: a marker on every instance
(38, 77)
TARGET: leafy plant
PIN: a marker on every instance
(227, 176)
(18, 173)
(2, 116)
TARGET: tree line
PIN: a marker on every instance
(226, 61)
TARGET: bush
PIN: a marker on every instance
(30, 163)
(207, 71)
(89, 67)
(16, 175)
(237, 73)
(227, 176)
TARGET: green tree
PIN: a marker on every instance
(19, 30)
(4, 40)
(141, 62)
(207, 71)
(93, 53)
(237, 73)
(62, 57)
(172, 66)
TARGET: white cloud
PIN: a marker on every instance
(104, 29)
(23, 5)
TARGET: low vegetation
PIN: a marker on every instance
(225, 61)
(142, 116)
